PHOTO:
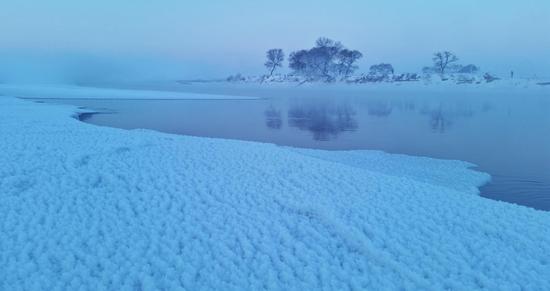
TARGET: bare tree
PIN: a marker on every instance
(327, 60)
(326, 51)
(324, 42)
(275, 58)
(346, 61)
(442, 60)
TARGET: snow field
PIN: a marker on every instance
(95, 208)
(78, 92)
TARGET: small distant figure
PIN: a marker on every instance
(511, 74)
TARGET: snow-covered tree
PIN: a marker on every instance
(275, 58)
(346, 61)
(442, 60)
(327, 60)
(379, 73)
(326, 51)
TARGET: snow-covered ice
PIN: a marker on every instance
(59, 91)
(95, 208)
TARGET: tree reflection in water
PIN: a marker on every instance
(441, 118)
(324, 121)
(379, 109)
(438, 121)
(273, 118)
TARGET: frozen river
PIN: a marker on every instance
(507, 134)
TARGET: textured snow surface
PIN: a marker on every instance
(79, 92)
(94, 208)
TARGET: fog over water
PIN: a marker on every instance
(75, 41)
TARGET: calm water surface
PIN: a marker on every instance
(506, 133)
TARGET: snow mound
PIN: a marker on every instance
(79, 92)
(446, 173)
(87, 207)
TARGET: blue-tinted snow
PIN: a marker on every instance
(101, 208)
(81, 92)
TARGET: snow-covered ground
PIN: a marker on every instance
(462, 81)
(102, 208)
(69, 91)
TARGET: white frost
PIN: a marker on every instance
(80, 92)
(102, 208)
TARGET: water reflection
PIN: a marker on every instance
(379, 109)
(438, 121)
(273, 118)
(325, 122)
(441, 117)
(504, 135)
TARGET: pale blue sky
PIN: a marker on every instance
(215, 38)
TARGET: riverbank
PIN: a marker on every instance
(97, 207)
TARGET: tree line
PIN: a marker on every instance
(330, 60)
